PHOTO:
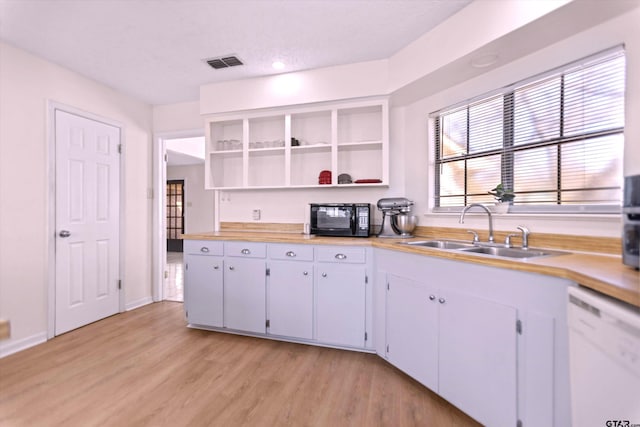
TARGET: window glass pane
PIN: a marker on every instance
(483, 174)
(594, 98)
(452, 179)
(592, 164)
(454, 134)
(452, 201)
(537, 112)
(485, 125)
(535, 173)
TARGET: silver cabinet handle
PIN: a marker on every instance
(341, 256)
(245, 251)
(324, 274)
(64, 233)
(441, 300)
(204, 249)
(432, 297)
(215, 267)
(231, 267)
(291, 254)
(306, 273)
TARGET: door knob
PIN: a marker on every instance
(64, 233)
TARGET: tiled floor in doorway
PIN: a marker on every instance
(174, 283)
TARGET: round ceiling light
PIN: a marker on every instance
(278, 65)
(484, 61)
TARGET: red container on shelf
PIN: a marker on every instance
(325, 177)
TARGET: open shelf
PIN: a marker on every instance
(288, 148)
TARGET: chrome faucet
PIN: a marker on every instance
(464, 211)
(525, 236)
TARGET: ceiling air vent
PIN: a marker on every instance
(224, 62)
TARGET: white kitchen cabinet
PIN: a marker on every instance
(245, 287)
(477, 357)
(341, 296)
(203, 283)
(461, 346)
(290, 291)
(291, 299)
(412, 329)
(203, 290)
(280, 148)
(502, 347)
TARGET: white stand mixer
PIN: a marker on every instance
(400, 223)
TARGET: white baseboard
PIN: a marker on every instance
(13, 346)
(138, 303)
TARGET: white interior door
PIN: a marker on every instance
(87, 221)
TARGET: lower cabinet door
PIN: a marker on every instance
(340, 309)
(245, 294)
(478, 357)
(203, 290)
(412, 329)
(291, 299)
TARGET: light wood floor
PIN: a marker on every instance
(145, 368)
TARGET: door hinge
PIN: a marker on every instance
(119, 148)
(268, 323)
(388, 287)
(365, 336)
(166, 274)
(366, 279)
(268, 271)
(519, 326)
(166, 158)
(519, 423)
(119, 283)
(186, 266)
(387, 348)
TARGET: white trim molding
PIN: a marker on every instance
(9, 347)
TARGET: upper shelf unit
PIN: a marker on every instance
(289, 148)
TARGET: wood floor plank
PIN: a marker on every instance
(146, 368)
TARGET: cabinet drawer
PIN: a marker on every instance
(291, 252)
(203, 247)
(341, 254)
(245, 249)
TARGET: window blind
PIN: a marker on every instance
(556, 140)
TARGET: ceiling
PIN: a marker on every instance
(154, 49)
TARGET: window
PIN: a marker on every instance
(556, 140)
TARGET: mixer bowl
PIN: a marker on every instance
(405, 224)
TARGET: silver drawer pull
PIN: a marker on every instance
(291, 254)
(442, 300)
(432, 297)
(341, 256)
(306, 273)
(231, 267)
(204, 249)
(245, 251)
(215, 267)
(324, 274)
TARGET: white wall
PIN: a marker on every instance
(26, 83)
(623, 29)
(198, 201)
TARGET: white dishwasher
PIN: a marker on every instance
(604, 355)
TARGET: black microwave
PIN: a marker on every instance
(340, 219)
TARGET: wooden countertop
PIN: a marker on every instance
(603, 273)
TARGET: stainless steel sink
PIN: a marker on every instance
(510, 252)
(478, 248)
(441, 244)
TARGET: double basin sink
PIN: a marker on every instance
(493, 250)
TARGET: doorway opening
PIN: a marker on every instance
(183, 206)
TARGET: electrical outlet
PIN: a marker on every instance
(256, 214)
